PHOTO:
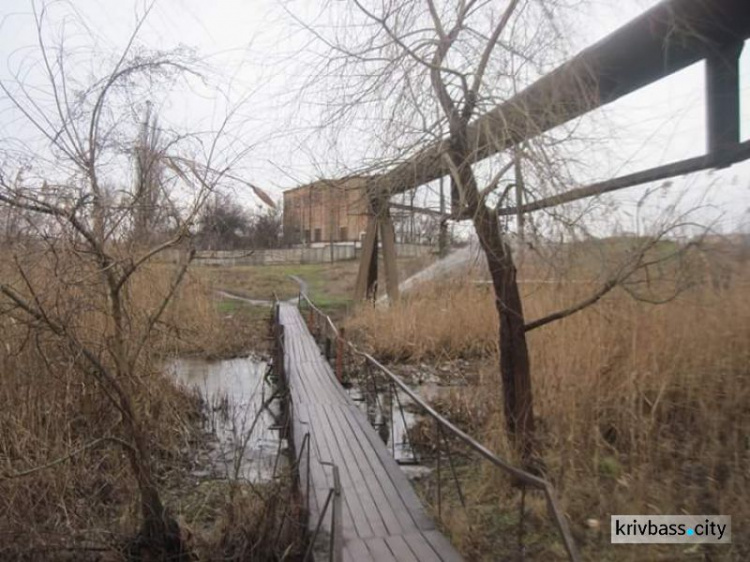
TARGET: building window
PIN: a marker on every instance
(307, 235)
(317, 235)
(343, 234)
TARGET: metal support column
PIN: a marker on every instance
(723, 98)
(368, 262)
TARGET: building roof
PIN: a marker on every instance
(327, 182)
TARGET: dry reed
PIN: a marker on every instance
(642, 408)
(66, 488)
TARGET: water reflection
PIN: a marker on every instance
(241, 414)
(391, 413)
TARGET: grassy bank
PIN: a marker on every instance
(331, 286)
(641, 408)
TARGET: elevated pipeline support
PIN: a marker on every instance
(661, 41)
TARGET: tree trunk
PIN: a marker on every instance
(514, 355)
(159, 537)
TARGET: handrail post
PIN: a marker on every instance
(391, 391)
(340, 355)
(337, 541)
(306, 443)
(308, 554)
(439, 484)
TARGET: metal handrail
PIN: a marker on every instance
(518, 473)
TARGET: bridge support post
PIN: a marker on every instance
(379, 222)
(340, 342)
(388, 236)
(367, 275)
(723, 98)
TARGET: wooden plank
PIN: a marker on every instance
(379, 550)
(357, 510)
(324, 482)
(314, 508)
(389, 470)
(381, 523)
(400, 549)
(309, 387)
(329, 383)
(320, 482)
(442, 546)
(394, 512)
(421, 548)
(356, 551)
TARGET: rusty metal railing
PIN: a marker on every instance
(324, 329)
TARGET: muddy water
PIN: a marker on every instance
(390, 420)
(245, 444)
(393, 415)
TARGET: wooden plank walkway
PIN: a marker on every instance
(382, 518)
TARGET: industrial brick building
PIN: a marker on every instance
(326, 211)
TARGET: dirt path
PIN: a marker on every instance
(303, 287)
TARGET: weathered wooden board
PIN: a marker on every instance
(381, 517)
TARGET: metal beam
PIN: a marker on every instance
(418, 210)
(667, 38)
(730, 156)
(723, 98)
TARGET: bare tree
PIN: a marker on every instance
(439, 58)
(223, 225)
(149, 178)
(76, 286)
(404, 61)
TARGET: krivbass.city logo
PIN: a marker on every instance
(682, 529)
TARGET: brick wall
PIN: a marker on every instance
(326, 211)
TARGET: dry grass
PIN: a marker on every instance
(51, 413)
(642, 408)
(66, 488)
(442, 321)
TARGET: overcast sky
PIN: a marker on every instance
(251, 44)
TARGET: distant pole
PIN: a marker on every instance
(330, 219)
(309, 217)
(443, 232)
(520, 219)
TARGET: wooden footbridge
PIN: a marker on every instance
(360, 505)
(346, 472)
